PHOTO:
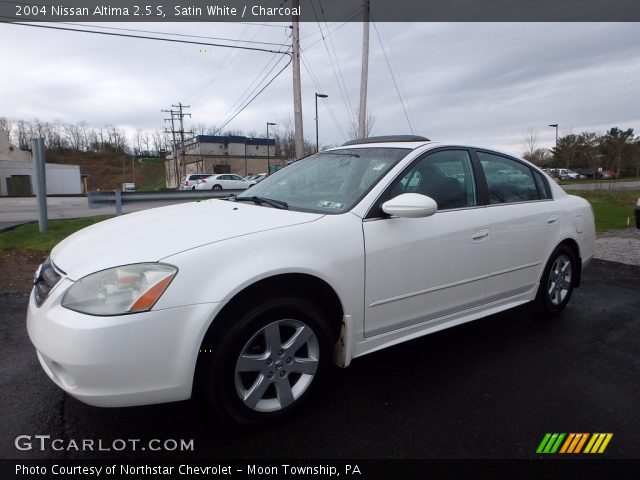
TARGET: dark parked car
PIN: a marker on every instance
(637, 213)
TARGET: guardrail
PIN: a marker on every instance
(118, 199)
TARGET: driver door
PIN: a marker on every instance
(422, 269)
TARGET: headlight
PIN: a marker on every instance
(127, 289)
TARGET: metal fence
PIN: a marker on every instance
(118, 199)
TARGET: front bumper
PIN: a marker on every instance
(117, 361)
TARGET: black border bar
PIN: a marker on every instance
(316, 468)
(319, 10)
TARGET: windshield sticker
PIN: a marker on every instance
(330, 204)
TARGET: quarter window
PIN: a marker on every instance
(508, 181)
(543, 186)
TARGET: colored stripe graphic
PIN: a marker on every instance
(550, 443)
(544, 441)
(574, 442)
(598, 442)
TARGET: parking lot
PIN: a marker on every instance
(488, 389)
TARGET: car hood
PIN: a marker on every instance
(151, 235)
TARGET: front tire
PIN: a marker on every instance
(268, 361)
(557, 282)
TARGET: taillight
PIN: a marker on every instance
(186, 183)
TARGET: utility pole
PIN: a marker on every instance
(179, 167)
(362, 120)
(182, 132)
(175, 151)
(297, 92)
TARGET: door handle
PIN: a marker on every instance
(480, 235)
(552, 219)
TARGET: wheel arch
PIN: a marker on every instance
(575, 248)
(302, 285)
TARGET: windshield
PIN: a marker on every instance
(329, 182)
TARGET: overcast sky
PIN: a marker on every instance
(481, 83)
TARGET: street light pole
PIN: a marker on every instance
(268, 161)
(320, 95)
(555, 125)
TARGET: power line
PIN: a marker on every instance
(205, 84)
(258, 93)
(341, 86)
(144, 37)
(226, 63)
(319, 88)
(237, 40)
(347, 19)
(403, 90)
(333, 48)
(394, 79)
(255, 82)
(173, 40)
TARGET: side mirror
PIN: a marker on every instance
(410, 205)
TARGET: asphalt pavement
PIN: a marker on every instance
(488, 389)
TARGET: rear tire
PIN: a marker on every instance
(267, 360)
(557, 282)
(216, 187)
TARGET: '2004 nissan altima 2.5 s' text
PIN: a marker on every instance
(248, 300)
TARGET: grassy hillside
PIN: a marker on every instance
(109, 170)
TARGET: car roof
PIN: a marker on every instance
(412, 145)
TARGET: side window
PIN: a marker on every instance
(543, 186)
(445, 176)
(509, 181)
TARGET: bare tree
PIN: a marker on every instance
(23, 135)
(73, 135)
(6, 126)
(530, 143)
(159, 142)
(200, 129)
(368, 126)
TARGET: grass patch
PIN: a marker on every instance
(611, 207)
(28, 237)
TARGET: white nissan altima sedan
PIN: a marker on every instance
(335, 256)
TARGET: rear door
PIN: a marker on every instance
(422, 269)
(525, 224)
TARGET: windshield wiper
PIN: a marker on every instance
(262, 200)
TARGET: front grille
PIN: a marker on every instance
(46, 278)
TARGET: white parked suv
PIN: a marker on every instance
(335, 256)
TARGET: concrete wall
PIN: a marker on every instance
(61, 179)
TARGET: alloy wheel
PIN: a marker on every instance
(277, 365)
(559, 283)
